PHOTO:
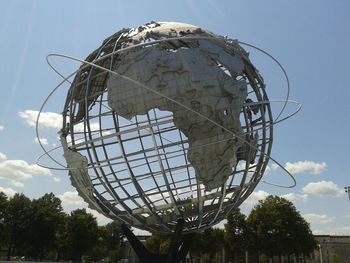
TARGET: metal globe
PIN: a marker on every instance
(167, 121)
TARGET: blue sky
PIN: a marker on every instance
(310, 39)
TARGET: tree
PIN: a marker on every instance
(277, 228)
(3, 205)
(99, 250)
(79, 236)
(236, 236)
(205, 245)
(17, 223)
(114, 236)
(3, 208)
(197, 247)
(158, 244)
(214, 239)
(109, 243)
(46, 219)
(39, 229)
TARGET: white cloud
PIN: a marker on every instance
(295, 197)
(271, 168)
(43, 141)
(56, 179)
(323, 188)
(101, 219)
(47, 119)
(71, 201)
(3, 157)
(298, 167)
(16, 183)
(255, 197)
(275, 167)
(267, 170)
(1, 128)
(9, 192)
(53, 120)
(306, 166)
(17, 171)
(318, 219)
(347, 216)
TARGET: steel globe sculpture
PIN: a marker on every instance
(167, 121)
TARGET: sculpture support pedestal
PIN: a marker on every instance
(178, 250)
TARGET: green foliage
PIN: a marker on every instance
(110, 243)
(165, 246)
(17, 224)
(3, 207)
(277, 228)
(205, 245)
(158, 244)
(39, 230)
(335, 258)
(153, 243)
(236, 236)
(82, 237)
(47, 218)
(80, 234)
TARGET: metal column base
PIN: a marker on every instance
(178, 250)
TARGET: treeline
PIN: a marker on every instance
(39, 230)
(273, 230)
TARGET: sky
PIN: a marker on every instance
(309, 38)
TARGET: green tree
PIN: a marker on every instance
(3, 205)
(46, 220)
(335, 258)
(198, 246)
(214, 240)
(277, 228)
(3, 208)
(205, 245)
(236, 236)
(17, 223)
(114, 241)
(62, 240)
(158, 244)
(100, 249)
(109, 243)
(80, 235)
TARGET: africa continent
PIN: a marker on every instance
(196, 81)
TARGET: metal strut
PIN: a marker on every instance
(178, 250)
